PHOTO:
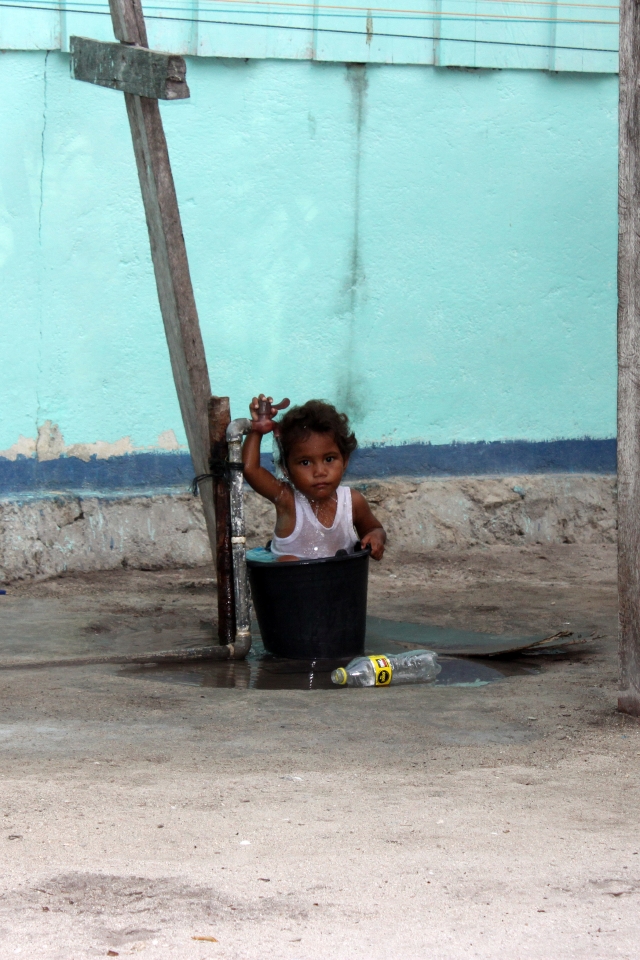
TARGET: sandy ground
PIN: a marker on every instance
(499, 821)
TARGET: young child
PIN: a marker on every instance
(315, 513)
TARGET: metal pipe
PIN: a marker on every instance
(242, 643)
(219, 652)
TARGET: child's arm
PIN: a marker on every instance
(256, 476)
(370, 530)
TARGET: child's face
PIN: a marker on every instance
(315, 466)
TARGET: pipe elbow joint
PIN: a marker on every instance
(241, 646)
(237, 429)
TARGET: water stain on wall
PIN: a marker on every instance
(351, 387)
(312, 125)
(369, 28)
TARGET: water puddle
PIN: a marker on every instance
(261, 671)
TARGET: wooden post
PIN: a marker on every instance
(629, 360)
(219, 419)
(168, 251)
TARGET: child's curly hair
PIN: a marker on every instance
(316, 416)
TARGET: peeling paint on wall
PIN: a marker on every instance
(23, 447)
(168, 441)
(50, 445)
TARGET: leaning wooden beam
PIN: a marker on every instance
(128, 21)
(175, 292)
(629, 360)
(168, 251)
(161, 76)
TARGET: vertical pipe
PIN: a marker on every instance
(219, 419)
(242, 643)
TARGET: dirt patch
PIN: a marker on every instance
(454, 823)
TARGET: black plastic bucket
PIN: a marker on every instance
(312, 609)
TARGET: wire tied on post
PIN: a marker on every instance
(220, 470)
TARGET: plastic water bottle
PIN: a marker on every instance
(415, 666)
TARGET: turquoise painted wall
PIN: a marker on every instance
(432, 249)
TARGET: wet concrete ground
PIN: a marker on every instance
(264, 672)
(140, 811)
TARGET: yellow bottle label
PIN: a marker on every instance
(383, 669)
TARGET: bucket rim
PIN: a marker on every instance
(362, 552)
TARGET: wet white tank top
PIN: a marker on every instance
(310, 539)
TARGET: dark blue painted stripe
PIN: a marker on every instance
(137, 471)
(498, 457)
(163, 471)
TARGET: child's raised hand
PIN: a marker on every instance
(263, 410)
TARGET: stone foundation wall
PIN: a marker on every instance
(46, 537)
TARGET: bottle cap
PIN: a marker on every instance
(339, 676)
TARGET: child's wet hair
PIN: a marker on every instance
(316, 416)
